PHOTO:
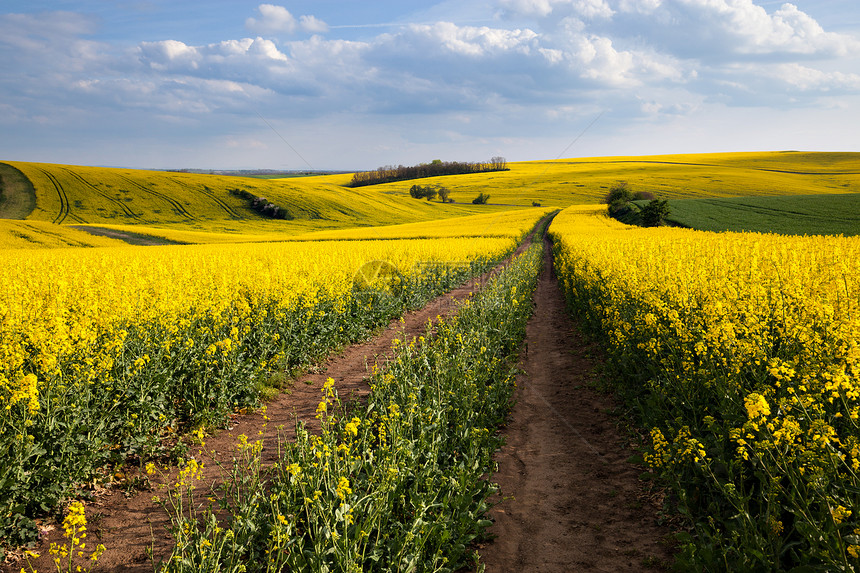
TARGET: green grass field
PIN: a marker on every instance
(793, 215)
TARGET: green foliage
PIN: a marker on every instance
(643, 196)
(481, 199)
(794, 215)
(397, 483)
(262, 205)
(620, 192)
(655, 212)
(618, 199)
(423, 192)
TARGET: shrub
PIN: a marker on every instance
(643, 196)
(655, 213)
(429, 192)
(620, 192)
(481, 199)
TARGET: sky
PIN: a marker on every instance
(349, 84)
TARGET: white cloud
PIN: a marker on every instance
(313, 25)
(472, 41)
(717, 29)
(273, 20)
(277, 20)
(174, 56)
(805, 78)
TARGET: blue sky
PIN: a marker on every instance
(348, 84)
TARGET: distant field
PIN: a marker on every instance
(96, 195)
(566, 182)
(201, 208)
(792, 215)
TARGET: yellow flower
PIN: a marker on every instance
(343, 488)
(840, 513)
(756, 406)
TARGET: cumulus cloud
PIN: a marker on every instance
(799, 77)
(277, 20)
(471, 41)
(718, 29)
(549, 59)
(248, 57)
(313, 25)
(272, 20)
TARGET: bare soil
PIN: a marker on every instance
(573, 502)
(570, 499)
(127, 236)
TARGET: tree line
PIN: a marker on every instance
(437, 167)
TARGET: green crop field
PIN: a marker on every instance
(788, 215)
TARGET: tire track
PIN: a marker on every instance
(125, 208)
(177, 206)
(569, 499)
(221, 203)
(64, 200)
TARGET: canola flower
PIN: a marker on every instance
(397, 481)
(68, 555)
(144, 343)
(744, 352)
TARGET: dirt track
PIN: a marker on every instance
(571, 501)
(575, 501)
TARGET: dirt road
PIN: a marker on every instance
(572, 502)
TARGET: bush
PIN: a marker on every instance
(619, 193)
(655, 213)
(643, 196)
(430, 192)
(481, 199)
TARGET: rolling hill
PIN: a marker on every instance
(202, 208)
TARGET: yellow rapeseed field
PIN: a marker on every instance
(514, 223)
(106, 352)
(744, 350)
(70, 194)
(587, 180)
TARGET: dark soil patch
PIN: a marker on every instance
(127, 236)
